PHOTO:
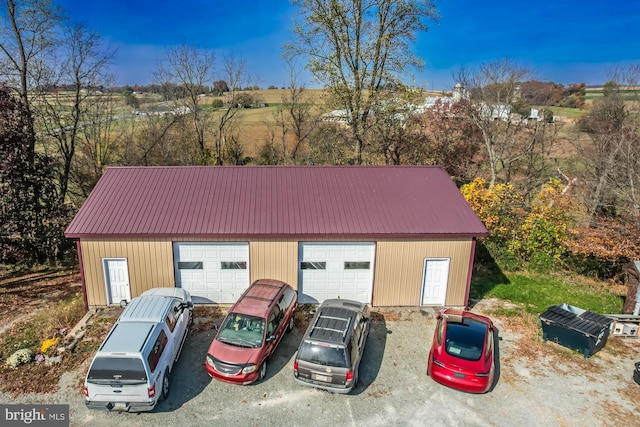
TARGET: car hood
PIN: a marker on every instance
(233, 354)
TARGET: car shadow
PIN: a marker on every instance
(189, 376)
(373, 353)
(496, 358)
(285, 352)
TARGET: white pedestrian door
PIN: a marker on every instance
(116, 273)
(435, 278)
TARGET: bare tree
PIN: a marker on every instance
(294, 119)
(153, 140)
(73, 105)
(28, 36)
(611, 157)
(354, 47)
(191, 69)
(512, 139)
(98, 143)
(235, 75)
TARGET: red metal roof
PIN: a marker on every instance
(275, 201)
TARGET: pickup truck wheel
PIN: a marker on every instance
(165, 385)
(262, 373)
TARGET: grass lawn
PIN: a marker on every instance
(571, 113)
(537, 292)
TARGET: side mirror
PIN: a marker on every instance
(215, 327)
(270, 338)
(123, 303)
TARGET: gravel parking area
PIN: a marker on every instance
(538, 384)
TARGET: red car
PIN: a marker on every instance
(461, 355)
(251, 332)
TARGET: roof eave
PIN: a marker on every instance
(250, 236)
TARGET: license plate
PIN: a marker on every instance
(458, 375)
(322, 378)
(120, 406)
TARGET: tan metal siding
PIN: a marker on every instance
(399, 269)
(150, 263)
(398, 265)
(274, 259)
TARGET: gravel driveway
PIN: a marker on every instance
(555, 387)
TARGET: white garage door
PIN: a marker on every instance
(335, 270)
(212, 272)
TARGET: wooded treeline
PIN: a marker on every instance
(553, 192)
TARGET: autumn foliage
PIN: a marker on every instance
(536, 233)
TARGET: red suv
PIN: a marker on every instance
(251, 332)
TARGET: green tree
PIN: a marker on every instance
(354, 47)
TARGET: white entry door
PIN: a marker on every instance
(434, 282)
(116, 276)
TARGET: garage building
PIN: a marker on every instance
(384, 235)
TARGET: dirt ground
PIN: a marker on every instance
(21, 295)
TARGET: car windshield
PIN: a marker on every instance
(120, 370)
(465, 339)
(242, 330)
(323, 354)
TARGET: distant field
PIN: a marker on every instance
(631, 94)
(255, 124)
(571, 113)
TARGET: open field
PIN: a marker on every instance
(255, 125)
(630, 94)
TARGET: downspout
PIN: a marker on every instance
(471, 257)
(84, 285)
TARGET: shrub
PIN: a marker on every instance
(20, 357)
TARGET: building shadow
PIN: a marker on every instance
(486, 275)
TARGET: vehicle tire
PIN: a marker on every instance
(291, 324)
(262, 373)
(165, 385)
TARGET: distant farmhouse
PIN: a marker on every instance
(498, 111)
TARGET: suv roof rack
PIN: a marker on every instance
(254, 292)
(332, 324)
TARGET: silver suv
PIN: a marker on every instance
(332, 347)
(130, 372)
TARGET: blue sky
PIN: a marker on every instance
(565, 41)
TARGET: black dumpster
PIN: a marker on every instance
(575, 328)
(636, 373)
